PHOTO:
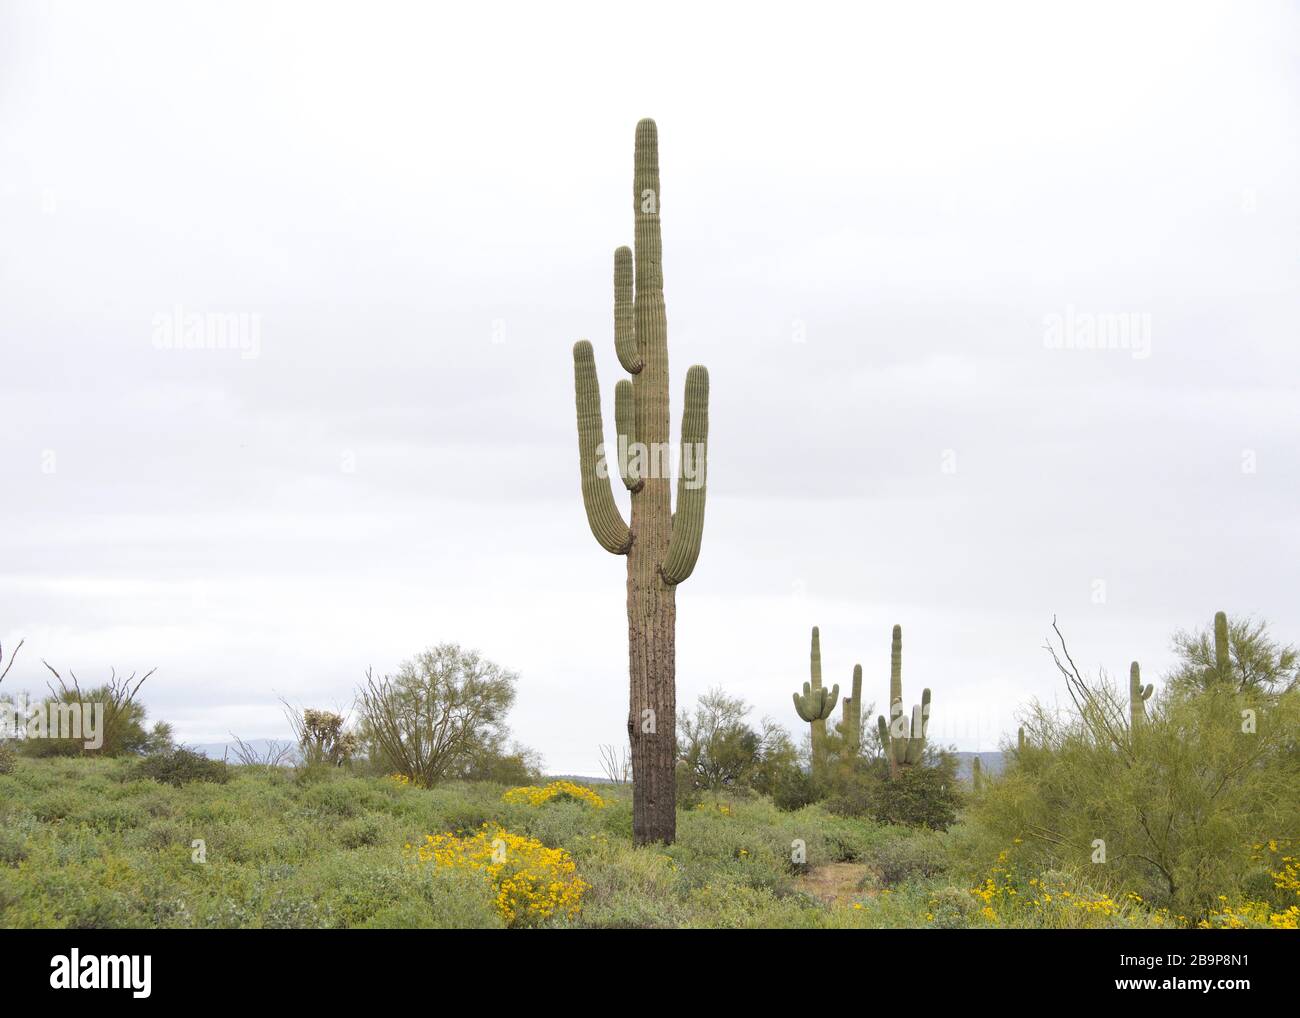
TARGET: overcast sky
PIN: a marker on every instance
(878, 226)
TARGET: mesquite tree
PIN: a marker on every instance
(661, 546)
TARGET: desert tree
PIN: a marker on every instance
(441, 710)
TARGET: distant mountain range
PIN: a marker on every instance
(991, 762)
(226, 750)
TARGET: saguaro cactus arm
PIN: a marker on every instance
(851, 725)
(629, 465)
(624, 328)
(688, 520)
(816, 704)
(903, 738)
(603, 515)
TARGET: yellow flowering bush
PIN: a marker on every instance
(1007, 896)
(535, 795)
(401, 780)
(1284, 870)
(533, 883)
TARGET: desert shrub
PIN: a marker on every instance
(898, 858)
(360, 832)
(916, 796)
(951, 908)
(495, 762)
(437, 715)
(180, 766)
(793, 788)
(7, 758)
(717, 749)
(556, 791)
(1176, 801)
(534, 883)
(123, 719)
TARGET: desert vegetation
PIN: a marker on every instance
(1135, 806)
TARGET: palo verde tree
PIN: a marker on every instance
(661, 546)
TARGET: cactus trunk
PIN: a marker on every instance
(1138, 694)
(816, 705)
(661, 547)
(902, 738)
(851, 726)
(1222, 664)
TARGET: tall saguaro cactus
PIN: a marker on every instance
(1138, 694)
(661, 546)
(817, 704)
(903, 738)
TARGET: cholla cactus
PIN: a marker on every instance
(903, 738)
(816, 705)
(661, 546)
(1138, 694)
(322, 739)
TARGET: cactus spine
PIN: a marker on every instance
(1138, 694)
(903, 738)
(850, 727)
(816, 705)
(661, 547)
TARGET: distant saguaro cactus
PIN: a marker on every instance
(817, 704)
(903, 738)
(1222, 670)
(850, 726)
(661, 546)
(976, 773)
(1020, 739)
(1138, 694)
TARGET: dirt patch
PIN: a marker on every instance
(836, 883)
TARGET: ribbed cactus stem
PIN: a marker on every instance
(1138, 694)
(1222, 664)
(816, 704)
(903, 738)
(661, 548)
(851, 725)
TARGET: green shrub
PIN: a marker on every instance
(916, 797)
(7, 758)
(901, 857)
(1176, 800)
(180, 766)
(952, 908)
(793, 788)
